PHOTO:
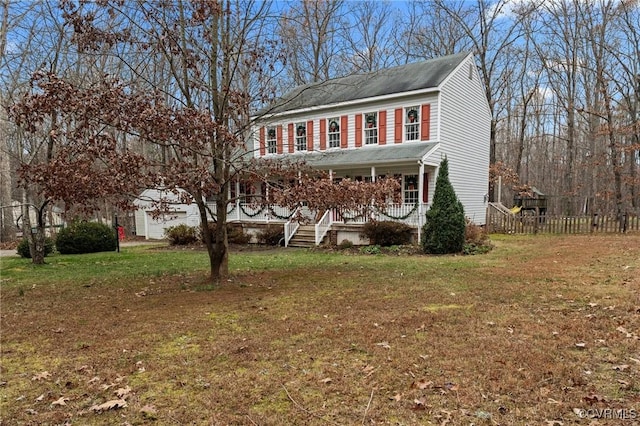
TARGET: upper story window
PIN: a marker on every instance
(371, 128)
(272, 144)
(301, 137)
(334, 132)
(412, 123)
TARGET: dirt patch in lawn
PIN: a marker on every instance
(543, 330)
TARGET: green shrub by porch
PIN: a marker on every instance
(387, 233)
(86, 237)
(444, 230)
(271, 235)
(181, 235)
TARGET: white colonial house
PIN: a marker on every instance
(399, 122)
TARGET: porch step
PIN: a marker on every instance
(305, 236)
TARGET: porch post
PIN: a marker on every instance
(331, 175)
(373, 173)
(238, 199)
(420, 192)
(267, 198)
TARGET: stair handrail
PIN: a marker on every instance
(323, 226)
(291, 227)
(501, 208)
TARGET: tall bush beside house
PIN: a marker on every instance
(444, 230)
(86, 237)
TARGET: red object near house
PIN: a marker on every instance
(120, 233)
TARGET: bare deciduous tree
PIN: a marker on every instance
(309, 31)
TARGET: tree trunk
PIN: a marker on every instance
(216, 241)
(7, 229)
(219, 257)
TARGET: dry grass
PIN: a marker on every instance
(524, 335)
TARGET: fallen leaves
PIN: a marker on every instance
(109, 405)
(420, 403)
(628, 334)
(422, 384)
(122, 393)
(41, 376)
(593, 399)
(149, 412)
(621, 367)
(60, 401)
(368, 370)
(384, 345)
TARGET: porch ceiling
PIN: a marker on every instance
(369, 155)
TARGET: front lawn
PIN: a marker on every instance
(534, 332)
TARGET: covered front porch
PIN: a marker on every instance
(347, 223)
(413, 165)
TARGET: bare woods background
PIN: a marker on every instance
(562, 77)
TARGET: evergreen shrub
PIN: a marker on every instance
(86, 237)
(444, 229)
(23, 248)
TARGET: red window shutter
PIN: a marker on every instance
(263, 149)
(344, 122)
(425, 122)
(358, 130)
(279, 143)
(310, 135)
(397, 131)
(290, 137)
(323, 134)
(382, 128)
(425, 187)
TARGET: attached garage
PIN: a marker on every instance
(152, 227)
(156, 227)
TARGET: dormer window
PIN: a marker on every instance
(301, 137)
(412, 123)
(371, 128)
(272, 145)
(334, 132)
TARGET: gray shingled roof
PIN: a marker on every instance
(415, 76)
(365, 156)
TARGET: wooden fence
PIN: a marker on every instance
(501, 222)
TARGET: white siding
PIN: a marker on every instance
(465, 135)
(152, 228)
(459, 120)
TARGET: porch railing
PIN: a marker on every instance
(323, 226)
(290, 228)
(247, 212)
(410, 214)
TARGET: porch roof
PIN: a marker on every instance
(368, 155)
